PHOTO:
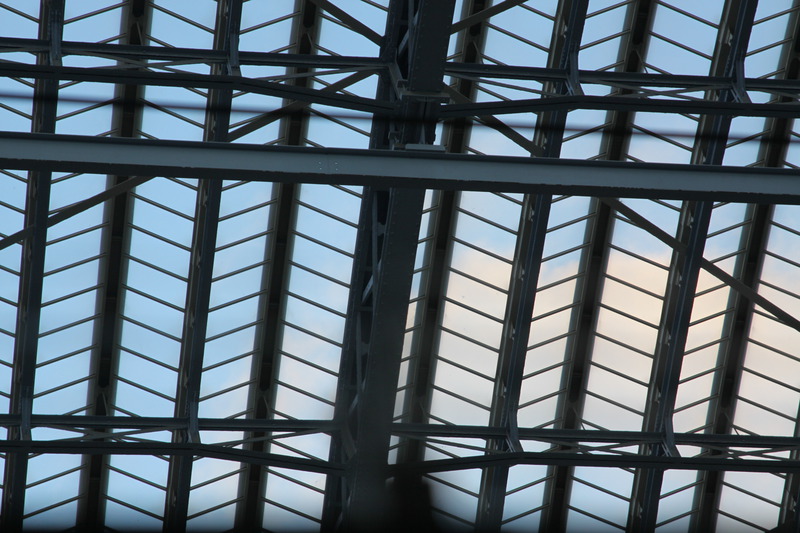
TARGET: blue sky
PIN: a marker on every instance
(320, 253)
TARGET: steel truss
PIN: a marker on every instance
(383, 421)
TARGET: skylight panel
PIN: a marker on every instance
(468, 315)
(352, 28)
(520, 34)
(212, 497)
(768, 39)
(524, 492)
(662, 138)
(338, 127)
(749, 501)
(85, 109)
(173, 113)
(600, 499)
(792, 157)
(12, 219)
(684, 35)
(19, 18)
(292, 498)
(496, 139)
(454, 497)
(237, 299)
(145, 314)
(266, 26)
(552, 328)
(603, 33)
(621, 324)
(709, 329)
(757, 410)
(424, 304)
(183, 23)
(315, 302)
(17, 102)
(92, 20)
(455, 36)
(677, 502)
(745, 141)
(52, 489)
(583, 134)
(136, 491)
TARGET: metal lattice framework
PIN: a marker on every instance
(259, 256)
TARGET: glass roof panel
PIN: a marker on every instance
(520, 34)
(683, 36)
(351, 29)
(121, 279)
(604, 30)
(92, 20)
(20, 18)
(183, 23)
(266, 27)
(768, 40)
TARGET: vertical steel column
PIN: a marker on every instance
(305, 34)
(126, 121)
(726, 382)
(616, 138)
(579, 347)
(513, 350)
(774, 147)
(380, 315)
(470, 43)
(418, 398)
(385, 250)
(293, 127)
(250, 510)
(201, 267)
(51, 24)
(673, 331)
(712, 135)
(548, 138)
(633, 50)
(192, 349)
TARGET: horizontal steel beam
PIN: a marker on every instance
(614, 78)
(162, 423)
(641, 101)
(605, 460)
(635, 102)
(141, 157)
(738, 461)
(418, 430)
(94, 447)
(138, 53)
(190, 79)
(574, 436)
(141, 53)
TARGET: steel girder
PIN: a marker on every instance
(405, 117)
(382, 276)
(32, 268)
(685, 267)
(127, 121)
(407, 169)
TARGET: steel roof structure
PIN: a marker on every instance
(258, 257)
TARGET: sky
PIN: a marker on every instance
(321, 247)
